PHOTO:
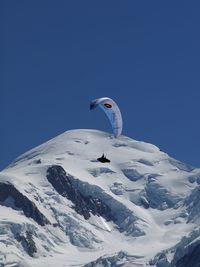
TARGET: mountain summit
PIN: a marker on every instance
(60, 206)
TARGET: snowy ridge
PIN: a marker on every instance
(59, 206)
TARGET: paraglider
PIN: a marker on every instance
(112, 111)
(103, 159)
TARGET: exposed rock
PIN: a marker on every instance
(84, 205)
(187, 251)
(190, 259)
(89, 199)
(10, 196)
(99, 207)
(121, 215)
(27, 243)
(184, 254)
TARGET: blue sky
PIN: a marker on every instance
(56, 56)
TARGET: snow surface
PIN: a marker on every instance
(150, 193)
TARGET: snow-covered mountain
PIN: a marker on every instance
(59, 206)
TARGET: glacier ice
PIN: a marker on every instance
(58, 204)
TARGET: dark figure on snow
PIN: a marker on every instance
(103, 159)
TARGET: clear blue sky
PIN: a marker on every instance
(56, 56)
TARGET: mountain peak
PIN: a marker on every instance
(58, 199)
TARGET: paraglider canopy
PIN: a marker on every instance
(112, 111)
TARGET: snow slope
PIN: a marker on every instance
(59, 206)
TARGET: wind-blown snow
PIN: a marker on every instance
(142, 203)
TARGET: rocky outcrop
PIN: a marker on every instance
(184, 254)
(11, 197)
(84, 205)
(190, 259)
(27, 243)
(91, 199)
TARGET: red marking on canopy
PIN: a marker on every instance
(108, 105)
